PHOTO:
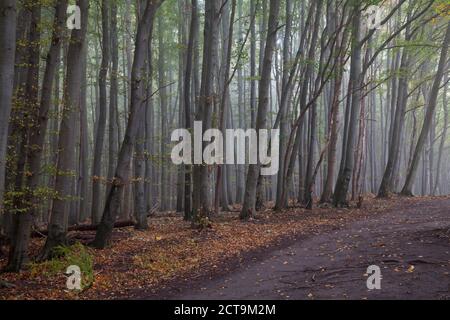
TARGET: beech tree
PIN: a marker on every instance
(201, 204)
(86, 115)
(431, 107)
(22, 225)
(57, 228)
(122, 175)
(248, 209)
(8, 18)
(102, 114)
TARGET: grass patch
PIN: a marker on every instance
(75, 255)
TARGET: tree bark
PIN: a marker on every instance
(8, 20)
(66, 145)
(113, 96)
(164, 188)
(343, 181)
(333, 121)
(284, 103)
(248, 209)
(397, 125)
(221, 195)
(85, 180)
(201, 176)
(97, 175)
(19, 249)
(143, 40)
(140, 211)
(193, 32)
(430, 109)
(443, 140)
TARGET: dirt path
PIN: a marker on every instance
(411, 246)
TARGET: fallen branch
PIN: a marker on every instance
(84, 228)
(90, 227)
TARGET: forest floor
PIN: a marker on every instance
(410, 243)
(296, 254)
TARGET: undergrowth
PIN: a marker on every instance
(65, 256)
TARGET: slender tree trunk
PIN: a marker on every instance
(66, 165)
(343, 182)
(332, 150)
(113, 96)
(334, 118)
(431, 107)
(201, 175)
(164, 195)
(182, 42)
(8, 20)
(149, 141)
(143, 39)
(297, 148)
(253, 67)
(193, 32)
(36, 118)
(240, 169)
(227, 31)
(284, 104)
(397, 125)
(85, 180)
(248, 209)
(101, 122)
(140, 211)
(443, 140)
(16, 127)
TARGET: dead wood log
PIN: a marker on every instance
(84, 228)
(89, 227)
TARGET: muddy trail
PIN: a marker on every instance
(411, 246)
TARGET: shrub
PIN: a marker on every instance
(66, 256)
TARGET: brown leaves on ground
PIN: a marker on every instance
(171, 250)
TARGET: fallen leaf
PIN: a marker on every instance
(411, 269)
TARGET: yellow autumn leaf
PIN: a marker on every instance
(411, 269)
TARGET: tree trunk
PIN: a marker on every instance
(193, 32)
(101, 120)
(333, 120)
(19, 249)
(66, 145)
(140, 211)
(221, 195)
(201, 198)
(342, 184)
(431, 107)
(248, 209)
(113, 96)
(240, 169)
(164, 193)
(397, 125)
(284, 104)
(253, 66)
(85, 180)
(297, 148)
(143, 40)
(29, 157)
(8, 21)
(443, 140)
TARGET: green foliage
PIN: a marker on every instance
(442, 7)
(77, 255)
(203, 223)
